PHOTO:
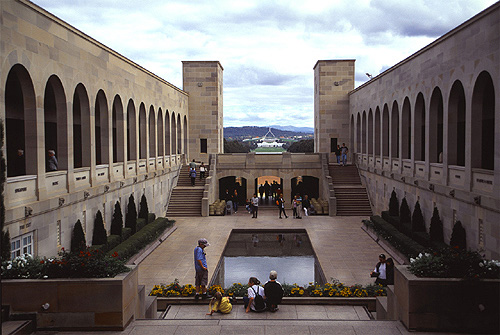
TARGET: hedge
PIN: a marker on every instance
(151, 217)
(142, 238)
(141, 223)
(398, 240)
(394, 220)
(126, 233)
(113, 241)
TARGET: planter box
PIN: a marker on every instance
(447, 304)
(92, 304)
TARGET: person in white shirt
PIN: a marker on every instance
(254, 288)
(380, 271)
(255, 205)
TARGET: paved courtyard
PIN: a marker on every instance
(344, 250)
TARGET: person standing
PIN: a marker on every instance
(281, 205)
(338, 154)
(52, 161)
(235, 201)
(306, 204)
(255, 206)
(344, 150)
(200, 266)
(273, 291)
(380, 271)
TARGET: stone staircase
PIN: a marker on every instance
(185, 199)
(352, 199)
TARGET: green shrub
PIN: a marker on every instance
(417, 219)
(394, 220)
(398, 240)
(141, 223)
(436, 227)
(143, 209)
(405, 228)
(151, 217)
(131, 216)
(393, 204)
(422, 238)
(458, 236)
(117, 221)
(141, 239)
(113, 241)
(404, 212)
(126, 233)
(99, 235)
(78, 238)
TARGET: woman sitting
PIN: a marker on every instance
(219, 304)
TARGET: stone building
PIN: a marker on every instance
(428, 127)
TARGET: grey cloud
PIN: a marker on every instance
(243, 75)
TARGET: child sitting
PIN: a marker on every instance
(219, 304)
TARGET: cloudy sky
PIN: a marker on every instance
(268, 48)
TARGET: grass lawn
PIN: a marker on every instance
(269, 150)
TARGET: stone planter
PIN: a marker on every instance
(447, 304)
(92, 304)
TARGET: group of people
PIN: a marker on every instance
(341, 154)
(192, 172)
(267, 191)
(298, 204)
(259, 298)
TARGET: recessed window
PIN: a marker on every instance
(203, 145)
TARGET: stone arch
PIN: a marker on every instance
(377, 131)
(456, 125)
(101, 129)
(305, 185)
(20, 123)
(370, 141)
(395, 130)
(185, 126)
(385, 131)
(161, 138)
(56, 121)
(81, 127)
(152, 132)
(167, 133)
(179, 134)
(174, 135)
(143, 137)
(131, 131)
(436, 127)
(233, 183)
(419, 138)
(117, 128)
(406, 129)
(483, 123)
(358, 133)
(363, 133)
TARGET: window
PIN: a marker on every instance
(21, 245)
(203, 145)
(333, 144)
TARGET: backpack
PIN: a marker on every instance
(259, 303)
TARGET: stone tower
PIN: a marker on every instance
(203, 82)
(333, 80)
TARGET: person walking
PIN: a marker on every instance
(192, 174)
(273, 291)
(338, 154)
(306, 204)
(52, 163)
(344, 150)
(255, 206)
(200, 266)
(192, 165)
(380, 271)
(281, 205)
(203, 169)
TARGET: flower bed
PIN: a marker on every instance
(333, 289)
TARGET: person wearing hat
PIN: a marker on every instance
(200, 265)
(380, 271)
(273, 291)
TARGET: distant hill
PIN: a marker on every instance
(250, 132)
(307, 130)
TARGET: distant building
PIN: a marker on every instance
(269, 141)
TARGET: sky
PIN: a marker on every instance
(267, 48)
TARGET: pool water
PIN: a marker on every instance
(254, 253)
